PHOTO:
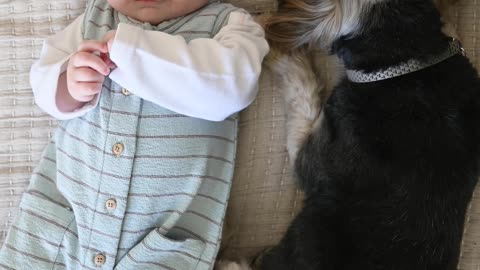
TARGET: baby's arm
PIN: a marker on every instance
(61, 96)
(205, 78)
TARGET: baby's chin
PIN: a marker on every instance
(156, 11)
(149, 15)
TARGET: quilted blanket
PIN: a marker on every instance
(264, 197)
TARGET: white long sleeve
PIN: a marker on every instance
(205, 78)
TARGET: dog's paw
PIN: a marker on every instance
(227, 265)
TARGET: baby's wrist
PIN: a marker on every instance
(65, 101)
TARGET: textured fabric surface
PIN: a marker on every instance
(168, 175)
(264, 198)
(24, 128)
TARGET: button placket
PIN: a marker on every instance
(117, 163)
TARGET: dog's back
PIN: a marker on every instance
(410, 152)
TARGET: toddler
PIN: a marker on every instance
(139, 174)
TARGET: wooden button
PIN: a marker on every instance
(118, 149)
(99, 260)
(125, 92)
(111, 204)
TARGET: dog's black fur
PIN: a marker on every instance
(390, 172)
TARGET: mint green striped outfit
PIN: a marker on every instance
(142, 186)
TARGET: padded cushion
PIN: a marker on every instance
(264, 198)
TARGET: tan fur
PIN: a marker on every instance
(446, 8)
(314, 22)
(301, 91)
(318, 23)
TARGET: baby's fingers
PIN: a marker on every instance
(90, 60)
(86, 91)
(85, 74)
(92, 46)
(84, 98)
(106, 58)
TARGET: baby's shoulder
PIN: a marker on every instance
(221, 11)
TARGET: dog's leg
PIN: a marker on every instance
(311, 242)
(301, 89)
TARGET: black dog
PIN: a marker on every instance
(389, 172)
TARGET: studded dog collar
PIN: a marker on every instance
(404, 68)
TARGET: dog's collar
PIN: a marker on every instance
(410, 66)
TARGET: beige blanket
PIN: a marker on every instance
(264, 198)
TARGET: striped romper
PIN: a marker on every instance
(130, 184)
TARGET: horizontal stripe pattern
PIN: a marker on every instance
(170, 179)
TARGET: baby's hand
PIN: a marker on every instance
(108, 39)
(86, 71)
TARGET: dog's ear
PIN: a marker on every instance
(292, 25)
(314, 22)
(446, 9)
